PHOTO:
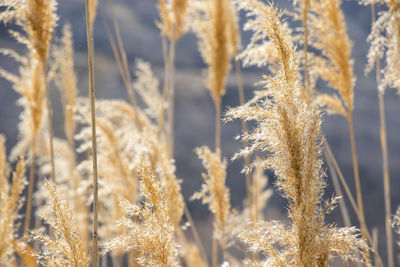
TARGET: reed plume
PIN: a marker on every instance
(37, 19)
(213, 27)
(146, 85)
(66, 81)
(63, 247)
(150, 231)
(260, 194)
(385, 43)
(215, 194)
(173, 25)
(288, 129)
(173, 15)
(328, 35)
(11, 200)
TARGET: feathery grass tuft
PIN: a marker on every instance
(11, 201)
(63, 247)
(288, 130)
(215, 193)
(150, 231)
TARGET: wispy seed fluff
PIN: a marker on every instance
(288, 131)
(173, 16)
(215, 193)
(11, 200)
(37, 19)
(385, 39)
(214, 25)
(63, 247)
(150, 231)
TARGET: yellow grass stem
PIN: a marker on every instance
(338, 191)
(28, 212)
(161, 118)
(356, 172)
(119, 53)
(217, 124)
(305, 9)
(214, 252)
(123, 56)
(48, 103)
(385, 159)
(171, 95)
(195, 233)
(89, 32)
(386, 179)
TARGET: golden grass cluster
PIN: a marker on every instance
(114, 198)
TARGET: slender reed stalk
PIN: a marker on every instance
(217, 148)
(385, 158)
(386, 180)
(49, 112)
(122, 57)
(217, 124)
(305, 9)
(195, 233)
(161, 117)
(338, 190)
(356, 172)
(89, 32)
(28, 212)
(171, 94)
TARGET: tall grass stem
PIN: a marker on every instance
(28, 212)
(385, 158)
(89, 32)
(171, 95)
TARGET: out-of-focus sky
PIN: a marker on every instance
(194, 109)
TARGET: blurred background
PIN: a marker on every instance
(194, 117)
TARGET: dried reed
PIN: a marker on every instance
(288, 127)
(90, 7)
(37, 19)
